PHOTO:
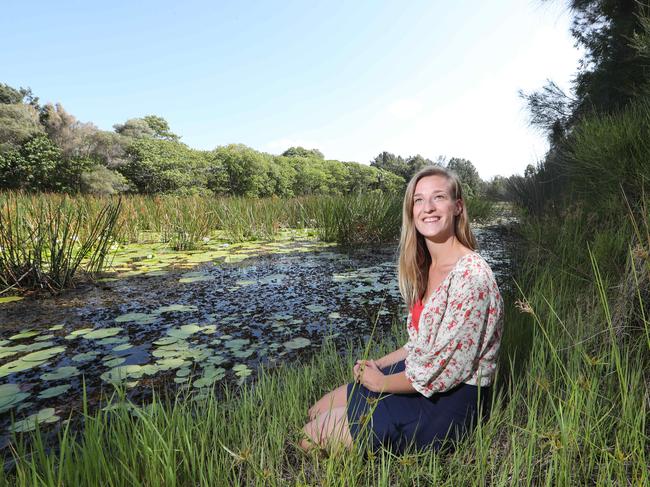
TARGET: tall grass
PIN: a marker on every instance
(44, 242)
(567, 412)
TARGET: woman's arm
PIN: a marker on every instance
(391, 358)
(374, 379)
(387, 360)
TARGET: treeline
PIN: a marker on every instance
(45, 148)
(587, 200)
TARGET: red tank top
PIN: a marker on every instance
(416, 311)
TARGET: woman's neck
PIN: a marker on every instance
(446, 252)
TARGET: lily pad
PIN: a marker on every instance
(78, 333)
(297, 343)
(29, 423)
(102, 333)
(29, 361)
(85, 357)
(10, 396)
(61, 373)
(176, 308)
(24, 334)
(139, 318)
(54, 391)
(316, 308)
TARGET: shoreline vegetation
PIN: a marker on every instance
(46, 238)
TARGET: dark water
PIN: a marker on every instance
(198, 326)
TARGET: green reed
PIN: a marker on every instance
(44, 242)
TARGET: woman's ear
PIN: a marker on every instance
(459, 207)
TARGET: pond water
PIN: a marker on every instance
(171, 319)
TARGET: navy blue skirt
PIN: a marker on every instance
(400, 421)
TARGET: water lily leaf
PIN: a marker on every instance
(216, 359)
(316, 308)
(297, 343)
(10, 299)
(209, 329)
(61, 373)
(54, 391)
(245, 282)
(242, 370)
(139, 318)
(275, 279)
(114, 362)
(237, 343)
(29, 361)
(29, 423)
(84, 357)
(102, 333)
(196, 276)
(334, 316)
(210, 375)
(78, 333)
(43, 338)
(10, 396)
(123, 372)
(243, 353)
(24, 334)
(184, 372)
(171, 363)
(183, 331)
(122, 347)
(176, 308)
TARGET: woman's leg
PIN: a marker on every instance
(328, 430)
(336, 399)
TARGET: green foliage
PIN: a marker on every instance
(13, 96)
(33, 167)
(160, 128)
(100, 180)
(46, 241)
(465, 170)
(247, 170)
(134, 127)
(163, 166)
(18, 123)
(302, 152)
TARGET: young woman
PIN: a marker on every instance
(434, 387)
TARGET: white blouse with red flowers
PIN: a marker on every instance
(459, 331)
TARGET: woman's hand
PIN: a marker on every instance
(368, 373)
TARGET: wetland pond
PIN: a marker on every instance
(163, 319)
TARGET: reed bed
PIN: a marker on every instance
(44, 242)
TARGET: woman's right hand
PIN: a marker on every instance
(357, 370)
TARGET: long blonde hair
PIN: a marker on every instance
(414, 257)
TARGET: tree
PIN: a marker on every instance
(134, 127)
(18, 122)
(13, 96)
(103, 181)
(160, 128)
(302, 152)
(467, 173)
(32, 167)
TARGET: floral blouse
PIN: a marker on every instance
(459, 331)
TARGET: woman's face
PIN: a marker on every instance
(434, 209)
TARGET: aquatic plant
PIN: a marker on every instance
(44, 242)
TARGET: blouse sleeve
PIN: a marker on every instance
(449, 351)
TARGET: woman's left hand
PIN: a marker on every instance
(372, 377)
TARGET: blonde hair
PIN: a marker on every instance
(414, 257)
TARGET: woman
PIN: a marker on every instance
(434, 387)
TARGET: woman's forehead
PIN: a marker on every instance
(430, 184)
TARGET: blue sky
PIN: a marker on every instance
(351, 78)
